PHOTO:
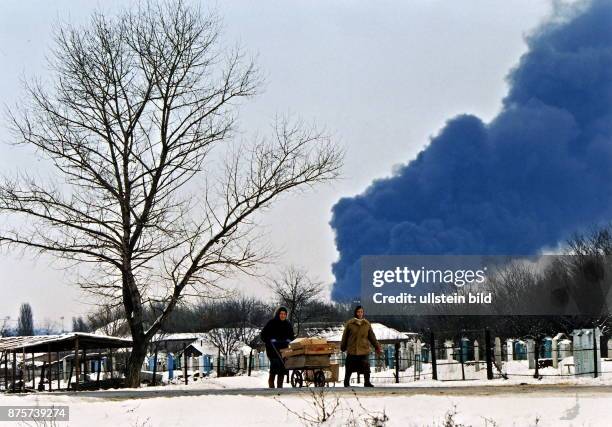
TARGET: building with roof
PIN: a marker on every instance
(333, 333)
(21, 356)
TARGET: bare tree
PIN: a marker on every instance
(596, 242)
(48, 327)
(79, 324)
(108, 320)
(235, 321)
(4, 327)
(25, 321)
(593, 249)
(250, 314)
(224, 339)
(228, 340)
(137, 104)
(295, 290)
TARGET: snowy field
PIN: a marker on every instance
(449, 375)
(497, 409)
(243, 401)
(559, 405)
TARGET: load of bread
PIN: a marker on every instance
(308, 346)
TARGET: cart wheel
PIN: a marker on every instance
(319, 378)
(296, 379)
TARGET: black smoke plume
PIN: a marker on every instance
(539, 171)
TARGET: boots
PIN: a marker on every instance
(366, 381)
(347, 378)
(271, 381)
(279, 381)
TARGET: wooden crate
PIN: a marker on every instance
(290, 352)
(311, 349)
(334, 372)
(303, 342)
(298, 362)
(331, 373)
(319, 349)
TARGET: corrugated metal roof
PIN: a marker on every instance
(39, 343)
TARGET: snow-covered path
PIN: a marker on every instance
(242, 401)
(546, 405)
(538, 390)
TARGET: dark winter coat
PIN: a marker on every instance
(279, 330)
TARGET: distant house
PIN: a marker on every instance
(175, 342)
(206, 342)
(202, 347)
(234, 352)
(333, 333)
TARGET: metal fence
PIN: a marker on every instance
(466, 355)
(481, 355)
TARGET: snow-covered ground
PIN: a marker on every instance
(517, 372)
(552, 406)
(413, 410)
(449, 375)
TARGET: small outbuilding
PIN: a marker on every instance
(16, 351)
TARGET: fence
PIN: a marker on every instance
(466, 355)
(480, 355)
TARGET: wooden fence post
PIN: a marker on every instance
(77, 364)
(14, 370)
(33, 373)
(50, 370)
(6, 357)
(85, 367)
(41, 384)
(111, 364)
(59, 385)
(24, 372)
(70, 376)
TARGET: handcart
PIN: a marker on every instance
(309, 363)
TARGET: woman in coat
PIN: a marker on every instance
(356, 340)
(276, 335)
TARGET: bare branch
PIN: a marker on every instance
(137, 104)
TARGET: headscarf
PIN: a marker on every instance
(355, 311)
(278, 310)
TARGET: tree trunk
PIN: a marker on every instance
(133, 308)
(134, 363)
